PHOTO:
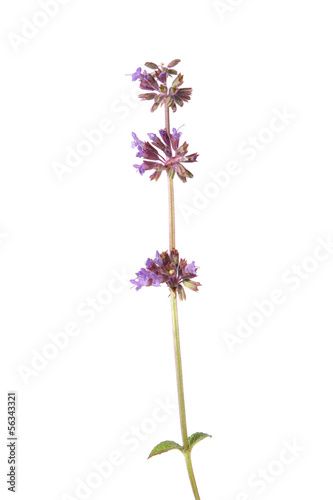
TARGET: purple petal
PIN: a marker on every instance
(136, 75)
(140, 168)
(152, 137)
(191, 268)
(158, 261)
(176, 135)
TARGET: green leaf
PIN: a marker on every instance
(164, 447)
(196, 437)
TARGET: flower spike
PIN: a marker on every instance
(173, 155)
(169, 269)
(155, 83)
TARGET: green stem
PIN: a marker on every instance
(191, 475)
(179, 371)
(175, 329)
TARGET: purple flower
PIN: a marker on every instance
(137, 144)
(191, 268)
(146, 278)
(158, 261)
(140, 168)
(176, 135)
(162, 76)
(136, 75)
(152, 137)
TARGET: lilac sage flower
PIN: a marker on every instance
(172, 158)
(155, 84)
(169, 269)
(137, 74)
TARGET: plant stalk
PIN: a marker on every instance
(179, 372)
(175, 329)
(191, 475)
(172, 229)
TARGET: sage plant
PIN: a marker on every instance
(166, 152)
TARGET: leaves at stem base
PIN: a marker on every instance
(164, 447)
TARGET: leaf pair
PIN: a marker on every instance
(172, 445)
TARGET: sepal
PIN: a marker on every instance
(192, 285)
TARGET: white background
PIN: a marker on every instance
(64, 240)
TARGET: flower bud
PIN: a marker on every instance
(148, 96)
(173, 63)
(179, 101)
(178, 80)
(169, 101)
(192, 285)
(151, 65)
(181, 293)
(154, 107)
